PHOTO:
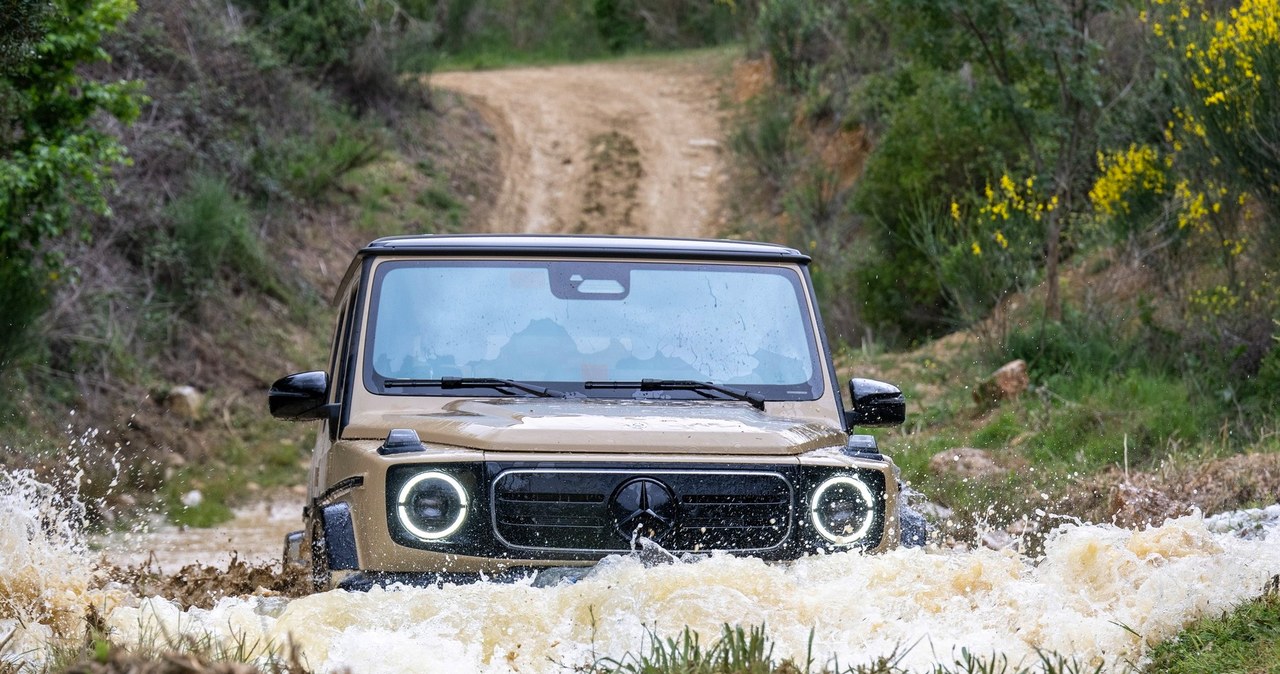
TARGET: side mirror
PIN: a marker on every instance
(300, 397)
(875, 403)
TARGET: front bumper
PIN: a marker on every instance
(542, 514)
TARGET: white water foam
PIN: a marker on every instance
(45, 569)
(1099, 594)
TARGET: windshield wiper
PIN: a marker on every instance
(475, 382)
(755, 399)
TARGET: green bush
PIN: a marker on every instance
(22, 301)
(55, 161)
(212, 239)
(306, 167)
(794, 33)
(763, 137)
(319, 35)
(618, 24)
(1079, 344)
(1266, 384)
(21, 24)
(940, 139)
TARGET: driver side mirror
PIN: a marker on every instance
(300, 397)
(875, 403)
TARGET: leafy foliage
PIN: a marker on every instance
(20, 25)
(320, 35)
(55, 160)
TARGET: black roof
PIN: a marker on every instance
(580, 246)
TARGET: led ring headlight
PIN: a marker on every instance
(415, 488)
(824, 527)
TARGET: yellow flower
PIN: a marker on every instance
(1004, 243)
(955, 211)
(977, 250)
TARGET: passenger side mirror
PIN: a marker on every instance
(300, 397)
(875, 403)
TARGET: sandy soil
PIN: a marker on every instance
(627, 147)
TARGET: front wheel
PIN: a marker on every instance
(321, 574)
(913, 527)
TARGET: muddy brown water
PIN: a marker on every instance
(1099, 593)
(255, 535)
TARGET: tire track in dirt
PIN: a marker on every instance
(626, 147)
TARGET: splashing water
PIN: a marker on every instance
(45, 568)
(1099, 593)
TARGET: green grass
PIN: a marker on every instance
(1087, 426)
(749, 651)
(1246, 641)
(392, 196)
(265, 453)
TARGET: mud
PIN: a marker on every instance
(203, 586)
(1175, 489)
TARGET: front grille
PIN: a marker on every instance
(603, 510)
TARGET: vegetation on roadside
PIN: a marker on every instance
(491, 33)
(166, 169)
(749, 651)
(1078, 184)
(1246, 640)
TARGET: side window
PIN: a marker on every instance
(338, 356)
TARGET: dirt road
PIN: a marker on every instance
(625, 147)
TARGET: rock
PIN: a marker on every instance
(1006, 383)
(1022, 527)
(934, 511)
(997, 540)
(185, 402)
(965, 462)
(192, 498)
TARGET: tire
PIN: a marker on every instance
(914, 528)
(321, 575)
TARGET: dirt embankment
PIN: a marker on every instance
(629, 147)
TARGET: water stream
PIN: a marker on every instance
(1099, 593)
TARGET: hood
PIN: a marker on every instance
(605, 426)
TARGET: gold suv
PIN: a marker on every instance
(501, 405)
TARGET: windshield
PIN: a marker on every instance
(565, 323)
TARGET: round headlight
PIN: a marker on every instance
(432, 505)
(842, 509)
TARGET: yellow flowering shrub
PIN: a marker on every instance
(1010, 200)
(1231, 70)
(1127, 177)
(1219, 153)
